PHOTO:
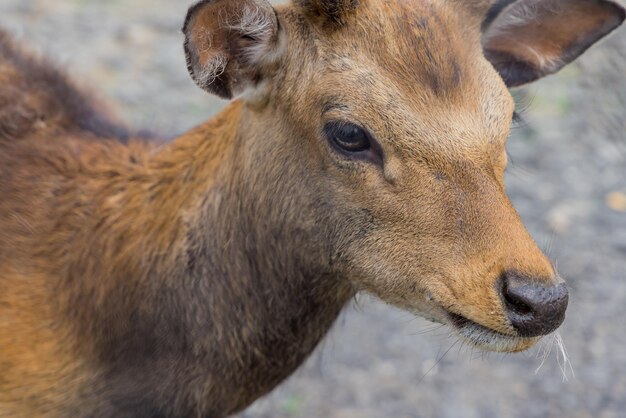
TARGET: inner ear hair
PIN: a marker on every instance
(528, 39)
(494, 11)
(228, 42)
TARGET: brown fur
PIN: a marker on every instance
(36, 96)
(140, 279)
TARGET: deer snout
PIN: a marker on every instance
(533, 308)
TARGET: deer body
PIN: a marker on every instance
(147, 264)
(147, 279)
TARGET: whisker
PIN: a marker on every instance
(562, 354)
(544, 353)
(438, 361)
(430, 330)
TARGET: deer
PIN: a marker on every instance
(363, 151)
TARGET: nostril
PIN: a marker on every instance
(532, 308)
(515, 301)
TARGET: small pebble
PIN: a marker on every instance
(616, 201)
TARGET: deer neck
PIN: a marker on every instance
(224, 300)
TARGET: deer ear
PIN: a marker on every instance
(229, 43)
(533, 38)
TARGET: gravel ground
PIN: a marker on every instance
(567, 179)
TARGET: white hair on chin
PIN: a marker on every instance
(562, 357)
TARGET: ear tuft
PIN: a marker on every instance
(228, 43)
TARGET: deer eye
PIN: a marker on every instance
(347, 137)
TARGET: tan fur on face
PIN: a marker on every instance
(439, 223)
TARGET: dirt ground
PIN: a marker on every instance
(567, 179)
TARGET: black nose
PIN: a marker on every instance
(533, 308)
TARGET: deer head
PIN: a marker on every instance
(375, 131)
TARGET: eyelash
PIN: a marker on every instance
(518, 118)
(522, 102)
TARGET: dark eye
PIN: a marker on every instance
(347, 137)
(353, 141)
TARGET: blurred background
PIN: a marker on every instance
(567, 178)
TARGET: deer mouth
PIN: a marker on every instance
(486, 338)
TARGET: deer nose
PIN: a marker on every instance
(533, 308)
